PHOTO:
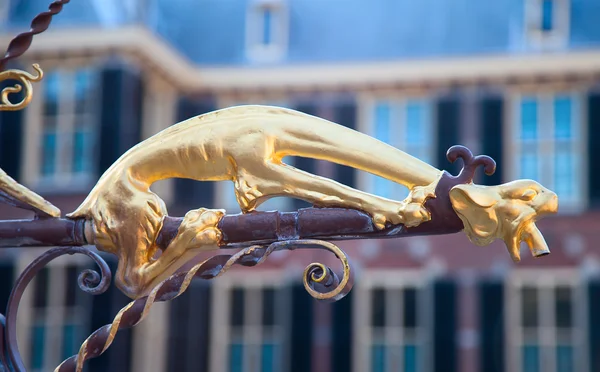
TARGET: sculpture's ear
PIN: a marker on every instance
(480, 196)
(528, 195)
(475, 205)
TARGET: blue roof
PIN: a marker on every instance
(213, 32)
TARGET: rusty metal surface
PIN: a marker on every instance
(89, 281)
(319, 280)
(43, 232)
(266, 227)
(39, 24)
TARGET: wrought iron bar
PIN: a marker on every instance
(19, 45)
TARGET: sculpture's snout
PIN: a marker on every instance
(548, 203)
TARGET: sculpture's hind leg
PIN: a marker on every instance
(278, 179)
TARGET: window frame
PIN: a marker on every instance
(555, 38)
(547, 280)
(55, 314)
(253, 334)
(391, 279)
(256, 50)
(64, 179)
(547, 144)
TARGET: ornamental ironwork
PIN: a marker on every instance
(245, 145)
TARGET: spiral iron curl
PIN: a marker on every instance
(25, 80)
(172, 287)
(89, 281)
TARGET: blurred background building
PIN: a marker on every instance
(517, 80)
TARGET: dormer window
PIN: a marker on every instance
(266, 31)
(547, 23)
(267, 25)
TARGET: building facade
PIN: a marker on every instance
(517, 80)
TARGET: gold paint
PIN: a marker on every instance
(244, 145)
(25, 78)
(508, 212)
(315, 267)
(20, 196)
(10, 190)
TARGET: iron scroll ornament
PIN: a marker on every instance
(438, 203)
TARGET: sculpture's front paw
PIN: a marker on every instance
(390, 213)
(199, 228)
(414, 214)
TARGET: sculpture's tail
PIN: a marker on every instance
(13, 193)
(318, 138)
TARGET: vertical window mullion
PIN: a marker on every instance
(65, 127)
(399, 141)
(550, 348)
(548, 154)
(392, 327)
(382, 116)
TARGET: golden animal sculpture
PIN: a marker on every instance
(246, 145)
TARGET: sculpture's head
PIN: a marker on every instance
(508, 212)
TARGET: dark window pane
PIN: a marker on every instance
(269, 356)
(237, 307)
(563, 307)
(378, 358)
(564, 359)
(83, 85)
(71, 286)
(410, 307)
(410, 358)
(52, 93)
(38, 333)
(51, 108)
(547, 14)
(529, 298)
(40, 296)
(378, 310)
(83, 146)
(267, 25)
(531, 358)
(268, 308)
(71, 340)
(236, 358)
(49, 153)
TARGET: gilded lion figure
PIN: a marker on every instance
(246, 145)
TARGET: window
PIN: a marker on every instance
(250, 313)
(255, 338)
(404, 124)
(266, 38)
(543, 324)
(69, 128)
(547, 22)
(60, 316)
(392, 324)
(547, 145)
